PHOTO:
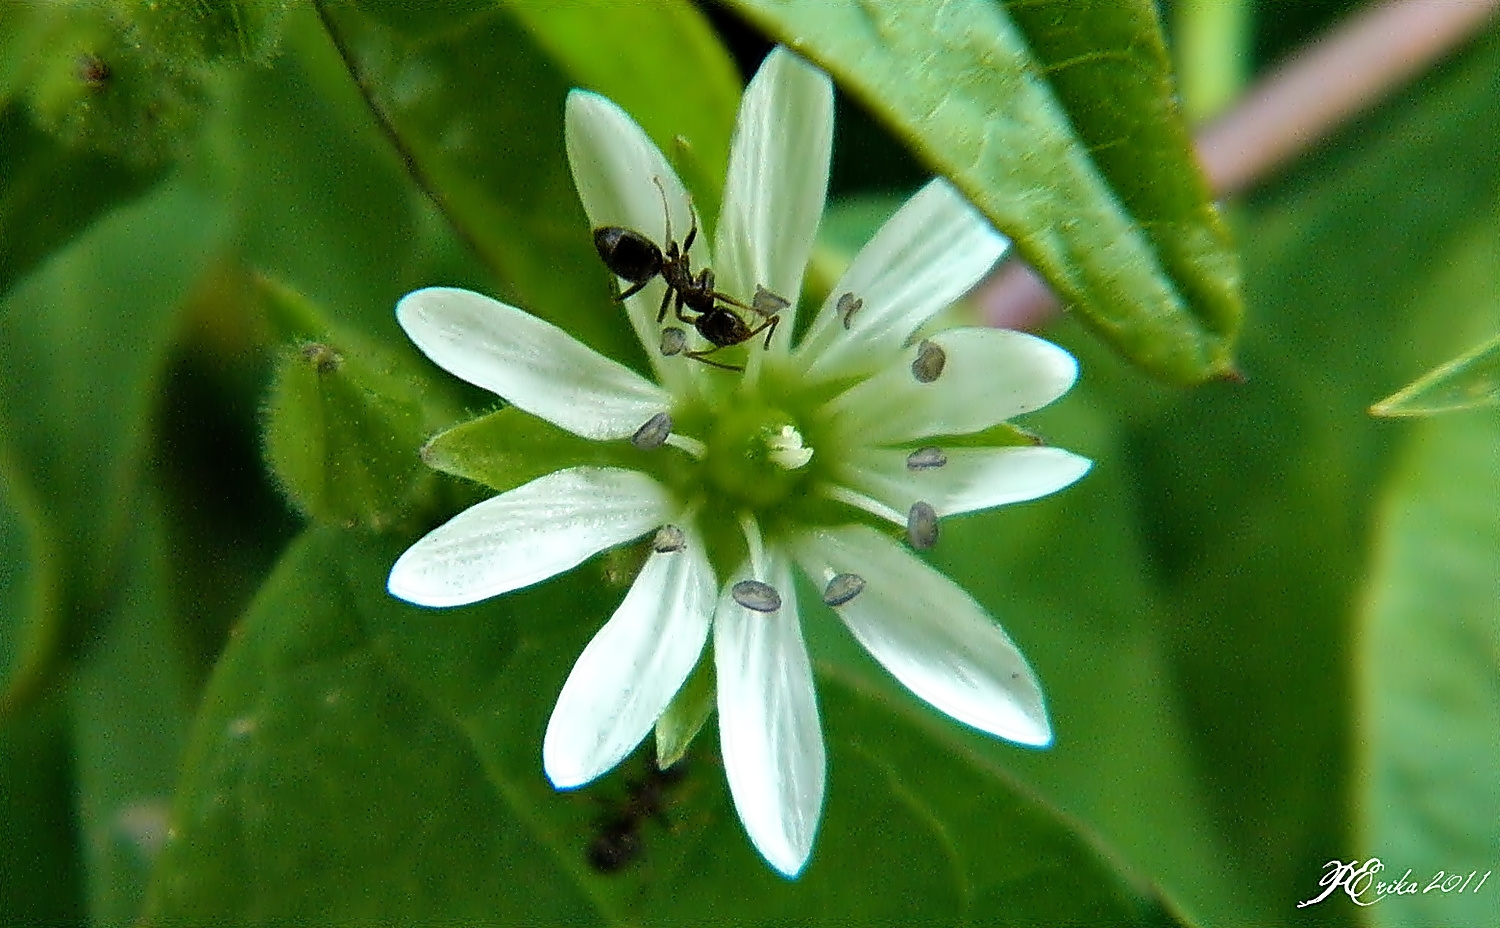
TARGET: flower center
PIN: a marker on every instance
(756, 455)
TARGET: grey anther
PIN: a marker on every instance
(668, 538)
(673, 340)
(929, 363)
(922, 526)
(756, 596)
(847, 306)
(843, 588)
(766, 303)
(654, 433)
(926, 459)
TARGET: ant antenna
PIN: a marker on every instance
(665, 210)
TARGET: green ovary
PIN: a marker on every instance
(757, 456)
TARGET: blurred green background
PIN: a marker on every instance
(1268, 624)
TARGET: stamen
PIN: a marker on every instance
(843, 588)
(673, 340)
(929, 363)
(689, 444)
(860, 501)
(766, 303)
(922, 526)
(846, 307)
(926, 459)
(654, 433)
(668, 538)
(786, 449)
(756, 596)
(753, 541)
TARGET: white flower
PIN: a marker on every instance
(794, 461)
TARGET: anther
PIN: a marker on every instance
(842, 588)
(847, 306)
(926, 459)
(921, 526)
(668, 538)
(766, 303)
(929, 363)
(654, 433)
(756, 596)
(673, 340)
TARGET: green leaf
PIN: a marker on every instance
(320, 789)
(247, 30)
(482, 131)
(1059, 122)
(1255, 501)
(40, 878)
(82, 344)
(29, 598)
(1469, 381)
(131, 698)
(919, 815)
(1431, 679)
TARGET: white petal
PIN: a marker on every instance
(614, 163)
(537, 530)
(931, 635)
(973, 478)
(777, 183)
(633, 667)
(933, 251)
(990, 375)
(768, 723)
(532, 363)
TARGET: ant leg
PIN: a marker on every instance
(705, 284)
(769, 327)
(634, 289)
(666, 298)
(701, 356)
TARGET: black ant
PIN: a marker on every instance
(617, 839)
(633, 257)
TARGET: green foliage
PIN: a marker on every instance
(1059, 121)
(342, 422)
(1265, 621)
(1469, 381)
(1430, 674)
(329, 669)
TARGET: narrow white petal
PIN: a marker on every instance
(532, 363)
(633, 667)
(768, 722)
(615, 167)
(990, 375)
(933, 251)
(930, 634)
(973, 478)
(537, 530)
(777, 183)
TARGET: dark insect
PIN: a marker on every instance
(633, 257)
(617, 840)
